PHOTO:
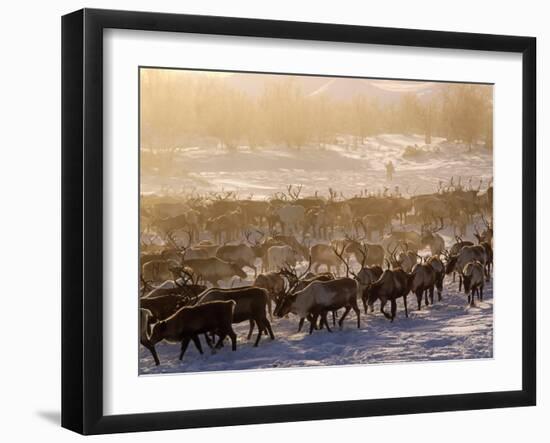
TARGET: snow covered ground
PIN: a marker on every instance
(344, 167)
(447, 330)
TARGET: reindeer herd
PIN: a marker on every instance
(210, 261)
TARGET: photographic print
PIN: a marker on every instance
(302, 221)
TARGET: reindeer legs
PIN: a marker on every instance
(341, 321)
(184, 344)
(324, 320)
(393, 309)
(233, 338)
(260, 331)
(419, 298)
(267, 326)
(251, 329)
(357, 313)
(152, 350)
(197, 342)
(313, 322)
(382, 305)
(364, 299)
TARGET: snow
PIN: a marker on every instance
(448, 330)
(343, 166)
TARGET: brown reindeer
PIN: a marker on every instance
(324, 255)
(467, 254)
(392, 285)
(298, 282)
(242, 255)
(251, 305)
(431, 238)
(372, 223)
(146, 321)
(274, 284)
(214, 270)
(422, 283)
(473, 281)
(320, 297)
(190, 321)
(439, 269)
(484, 240)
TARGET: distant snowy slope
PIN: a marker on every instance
(344, 166)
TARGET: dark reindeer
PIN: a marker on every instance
(190, 321)
(392, 285)
(422, 283)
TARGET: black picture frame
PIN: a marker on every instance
(82, 218)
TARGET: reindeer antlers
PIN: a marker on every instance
(290, 271)
(340, 256)
(294, 195)
(187, 276)
(170, 238)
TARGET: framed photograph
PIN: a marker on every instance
(269, 221)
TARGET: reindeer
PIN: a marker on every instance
(291, 217)
(186, 286)
(372, 223)
(190, 321)
(254, 211)
(460, 222)
(405, 260)
(274, 284)
(251, 305)
(487, 234)
(146, 321)
(163, 306)
(484, 240)
(431, 208)
(222, 226)
(402, 206)
(368, 254)
(458, 245)
(298, 282)
(422, 282)
(396, 238)
(159, 270)
(242, 255)
(431, 238)
(260, 246)
(324, 255)
(213, 269)
(439, 269)
(320, 297)
(392, 285)
(467, 254)
(315, 221)
(290, 240)
(473, 281)
(279, 256)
